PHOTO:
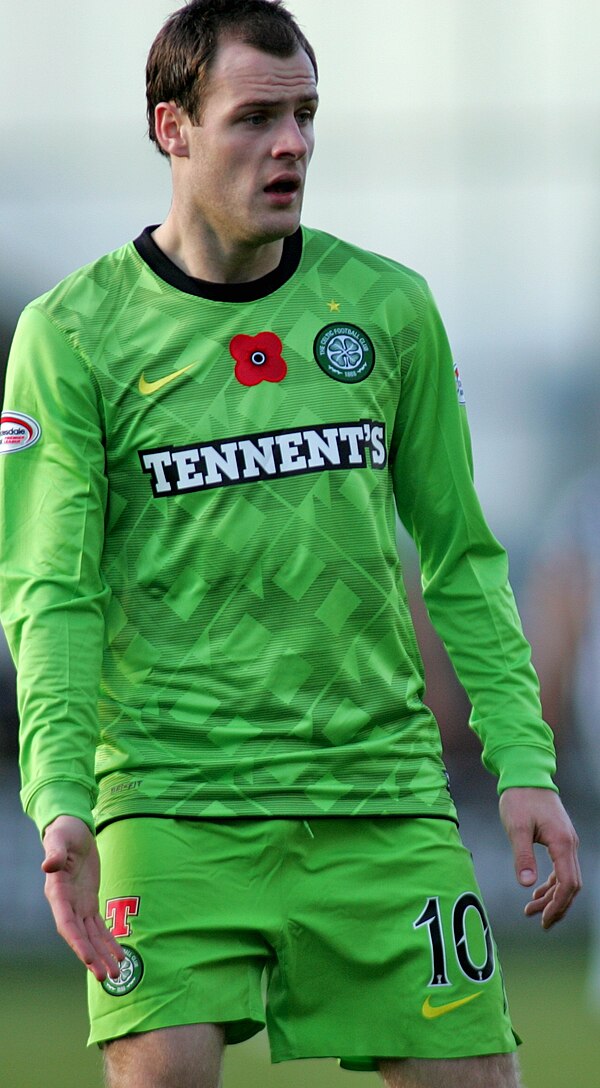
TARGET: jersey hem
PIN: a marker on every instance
(412, 814)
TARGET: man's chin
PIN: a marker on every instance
(279, 226)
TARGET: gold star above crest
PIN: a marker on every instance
(333, 306)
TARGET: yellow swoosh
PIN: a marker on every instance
(152, 387)
(430, 1012)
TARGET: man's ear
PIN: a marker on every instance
(169, 122)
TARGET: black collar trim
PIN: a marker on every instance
(221, 292)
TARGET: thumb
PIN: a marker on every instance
(56, 855)
(525, 863)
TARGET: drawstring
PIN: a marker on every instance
(308, 828)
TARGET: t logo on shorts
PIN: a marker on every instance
(119, 911)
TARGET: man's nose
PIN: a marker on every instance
(290, 141)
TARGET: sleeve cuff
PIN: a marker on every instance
(524, 766)
(60, 799)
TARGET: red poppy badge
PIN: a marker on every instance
(258, 358)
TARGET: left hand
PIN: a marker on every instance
(72, 869)
(537, 815)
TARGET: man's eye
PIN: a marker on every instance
(255, 119)
(305, 117)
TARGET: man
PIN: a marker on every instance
(212, 428)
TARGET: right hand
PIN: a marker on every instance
(533, 815)
(72, 869)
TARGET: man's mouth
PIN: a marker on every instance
(283, 185)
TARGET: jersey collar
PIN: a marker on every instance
(220, 292)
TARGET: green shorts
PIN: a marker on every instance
(352, 938)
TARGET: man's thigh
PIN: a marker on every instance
(491, 1071)
(179, 1057)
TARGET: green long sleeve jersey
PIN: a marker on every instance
(200, 581)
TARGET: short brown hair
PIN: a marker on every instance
(181, 55)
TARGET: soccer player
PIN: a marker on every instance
(207, 436)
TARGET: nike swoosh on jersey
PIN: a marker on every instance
(430, 1012)
(152, 387)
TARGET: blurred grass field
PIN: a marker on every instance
(43, 1027)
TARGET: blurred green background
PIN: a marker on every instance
(43, 1027)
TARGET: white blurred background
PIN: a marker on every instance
(460, 137)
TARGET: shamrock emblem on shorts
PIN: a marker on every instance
(258, 358)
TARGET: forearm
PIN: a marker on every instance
(473, 610)
(59, 659)
(52, 593)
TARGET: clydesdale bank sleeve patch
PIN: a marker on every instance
(18, 432)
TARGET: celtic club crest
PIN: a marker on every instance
(345, 353)
(132, 969)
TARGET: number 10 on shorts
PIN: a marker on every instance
(461, 920)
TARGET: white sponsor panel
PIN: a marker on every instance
(176, 469)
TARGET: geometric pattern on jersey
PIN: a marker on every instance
(259, 656)
(267, 644)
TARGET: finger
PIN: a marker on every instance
(70, 924)
(106, 947)
(539, 904)
(564, 894)
(556, 908)
(552, 900)
(545, 887)
(72, 930)
(542, 892)
(107, 938)
(56, 858)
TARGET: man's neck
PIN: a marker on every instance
(200, 254)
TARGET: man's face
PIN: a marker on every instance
(249, 155)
